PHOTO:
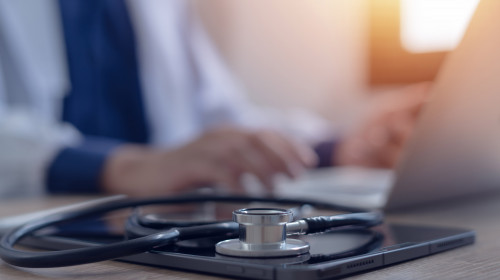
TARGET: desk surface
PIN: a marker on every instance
(479, 261)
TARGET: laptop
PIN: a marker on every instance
(455, 149)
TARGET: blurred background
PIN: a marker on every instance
(331, 56)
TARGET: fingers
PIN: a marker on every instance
(380, 142)
(417, 96)
(281, 155)
(392, 134)
(222, 156)
(228, 176)
(261, 153)
(266, 154)
(299, 152)
(251, 160)
(218, 173)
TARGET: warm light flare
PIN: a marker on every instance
(434, 25)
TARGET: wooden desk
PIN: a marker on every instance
(479, 261)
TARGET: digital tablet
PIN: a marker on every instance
(333, 254)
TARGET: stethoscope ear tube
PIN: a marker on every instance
(130, 247)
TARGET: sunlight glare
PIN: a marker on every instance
(434, 25)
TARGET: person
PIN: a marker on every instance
(131, 97)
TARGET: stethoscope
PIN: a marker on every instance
(260, 232)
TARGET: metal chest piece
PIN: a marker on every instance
(262, 235)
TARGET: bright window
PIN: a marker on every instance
(434, 25)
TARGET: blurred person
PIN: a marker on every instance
(130, 97)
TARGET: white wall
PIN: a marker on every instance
(295, 53)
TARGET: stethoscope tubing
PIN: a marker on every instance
(92, 254)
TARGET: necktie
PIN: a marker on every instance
(105, 98)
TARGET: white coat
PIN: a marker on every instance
(187, 88)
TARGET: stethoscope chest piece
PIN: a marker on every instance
(262, 234)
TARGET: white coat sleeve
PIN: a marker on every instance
(28, 143)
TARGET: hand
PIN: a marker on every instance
(219, 156)
(382, 135)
